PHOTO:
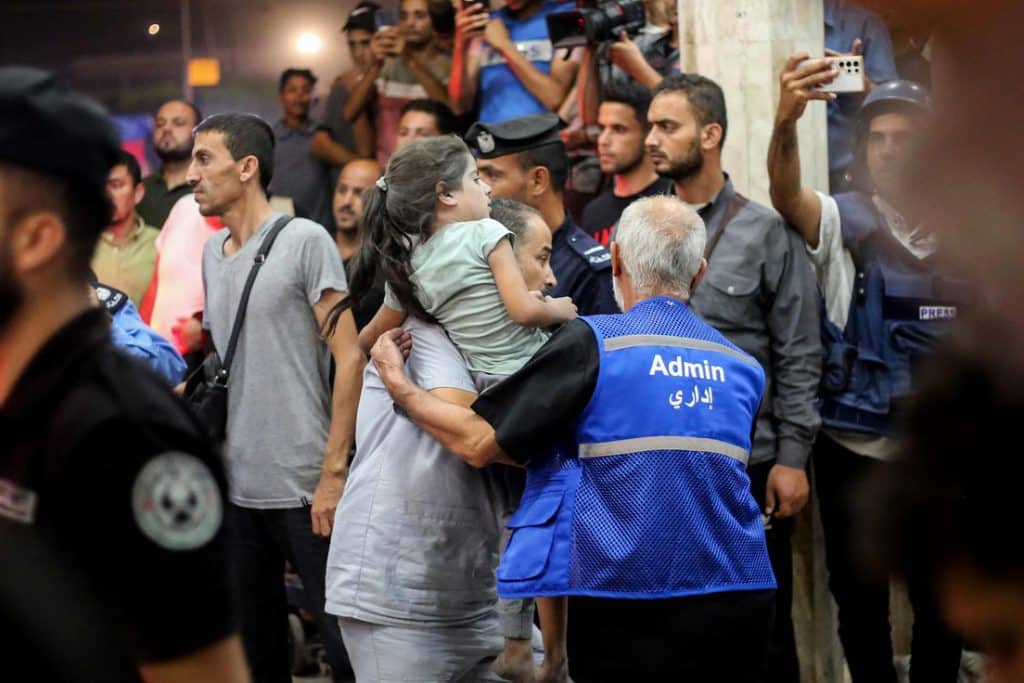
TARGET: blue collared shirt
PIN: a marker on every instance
(844, 23)
(135, 338)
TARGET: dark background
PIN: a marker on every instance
(102, 47)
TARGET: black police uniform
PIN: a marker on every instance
(581, 265)
(107, 470)
(583, 269)
(111, 497)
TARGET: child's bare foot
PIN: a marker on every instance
(554, 672)
(515, 663)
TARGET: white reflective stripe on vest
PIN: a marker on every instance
(631, 341)
(664, 443)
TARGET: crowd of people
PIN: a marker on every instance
(503, 420)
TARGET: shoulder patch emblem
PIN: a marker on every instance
(597, 255)
(17, 503)
(112, 299)
(176, 502)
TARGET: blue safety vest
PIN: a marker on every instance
(502, 94)
(901, 307)
(652, 499)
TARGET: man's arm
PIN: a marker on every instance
(222, 662)
(324, 148)
(628, 56)
(516, 420)
(363, 90)
(362, 130)
(589, 87)
(348, 380)
(550, 89)
(799, 205)
(464, 77)
(793, 327)
(443, 414)
(436, 90)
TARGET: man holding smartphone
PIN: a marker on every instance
(406, 64)
(887, 303)
(506, 61)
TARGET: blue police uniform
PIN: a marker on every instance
(901, 307)
(652, 501)
(502, 94)
(583, 269)
(137, 339)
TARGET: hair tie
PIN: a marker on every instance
(382, 184)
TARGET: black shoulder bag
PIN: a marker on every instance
(206, 390)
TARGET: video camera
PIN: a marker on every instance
(591, 23)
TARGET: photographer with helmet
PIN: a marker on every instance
(888, 303)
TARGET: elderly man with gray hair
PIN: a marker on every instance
(639, 510)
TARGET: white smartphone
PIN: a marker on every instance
(851, 75)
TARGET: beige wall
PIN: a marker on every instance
(742, 44)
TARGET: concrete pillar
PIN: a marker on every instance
(742, 45)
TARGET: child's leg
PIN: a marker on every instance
(515, 663)
(554, 617)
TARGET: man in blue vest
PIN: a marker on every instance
(505, 61)
(886, 306)
(634, 429)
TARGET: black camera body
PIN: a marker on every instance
(591, 24)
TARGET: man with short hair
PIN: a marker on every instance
(342, 135)
(112, 522)
(638, 509)
(759, 292)
(506, 61)
(355, 178)
(126, 253)
(298, 174)
(622, 154)
(172, 142)
(532, 243)
(887, 304)
(424, 119)
(287, 458)
(524, 159)
(406, 64)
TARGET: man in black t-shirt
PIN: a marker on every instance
(620, 148)
(111, 495)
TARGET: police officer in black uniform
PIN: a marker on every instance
(111, 497)
(524, 159)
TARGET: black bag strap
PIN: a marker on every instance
(243, 304)
(736, 205)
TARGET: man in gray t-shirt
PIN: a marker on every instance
(288, 434)
(412, 560)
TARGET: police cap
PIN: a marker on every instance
(491, 140)
(47, 128)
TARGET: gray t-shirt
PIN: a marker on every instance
(416, 534)
(279, 401)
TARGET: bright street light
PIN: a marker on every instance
(154, 29)
(308, 43)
